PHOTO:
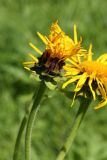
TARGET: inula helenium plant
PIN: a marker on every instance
(63, 62)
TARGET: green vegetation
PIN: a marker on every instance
(19, 22)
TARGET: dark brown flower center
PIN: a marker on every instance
(48, 65)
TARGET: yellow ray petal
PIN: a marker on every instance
(101, 104)
(76, 58)
(104, 81)
(35, 48)
(72, 62)
(42, 38)
(27, 68)
(33, 57)
(81, 82)
(89, 55)
(101, 88)
(69, 67)
(70, 81)
(28, 63)
(48, 41)
(102, 58)
(75, 34)
(90, 85)
(71, 71)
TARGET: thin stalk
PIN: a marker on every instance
(21, 130)
(78, 119)
(18, 139)
(32, 116)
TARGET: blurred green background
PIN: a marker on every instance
(19, 22)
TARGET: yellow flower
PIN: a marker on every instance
(90, 73)
(59, 47)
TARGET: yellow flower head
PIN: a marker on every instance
(59, 47)
(91, 73)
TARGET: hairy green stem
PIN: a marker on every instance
(21, 130)
(31, 119)
(78, 119)
(18, 139)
